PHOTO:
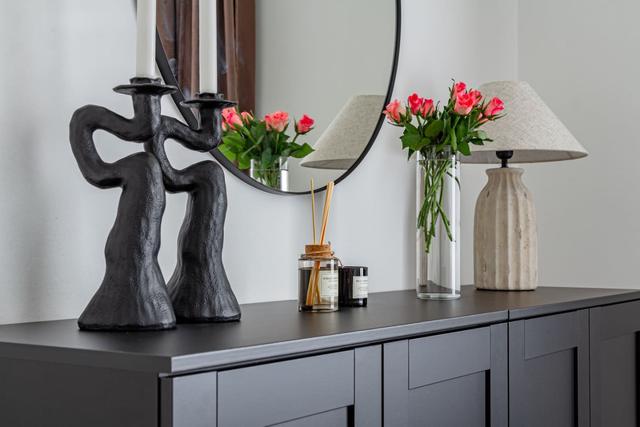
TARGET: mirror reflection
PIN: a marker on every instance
(310, 77)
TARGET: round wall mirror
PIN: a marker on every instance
(310, 77)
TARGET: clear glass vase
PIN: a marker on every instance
(438, 231)
(276, 176)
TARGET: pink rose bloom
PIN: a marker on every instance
(495, 106)
(458, 88)
(304, 125)
(277, 121)
(476, 95)
(230, 118)
(426, 108)
(246, 116)
(464, 104)
(415, 102)
(394, 111)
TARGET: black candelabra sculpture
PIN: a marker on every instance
(133, 294)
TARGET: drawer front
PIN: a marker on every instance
(285, 391)
(442, 357)
(552, 334)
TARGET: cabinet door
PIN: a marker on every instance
(337, 389)
(189, 400)
(549, 371)
(453, 379)
(614, 364)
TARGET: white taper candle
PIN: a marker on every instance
(146, 39)
(208, 47)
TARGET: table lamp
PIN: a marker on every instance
(505, 231)
(348, 134)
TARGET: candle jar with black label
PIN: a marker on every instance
(318, 279)
(354, 286)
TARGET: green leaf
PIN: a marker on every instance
(230, 155)
(303, 151)
(410, 140)
(463, 147)
(266, 157)
(285, 153)
(410, 129)
(258, 131)
(433, 128)
(424, 142)
(461, 130)
(234, 142)
(453, 141)
(244, 161)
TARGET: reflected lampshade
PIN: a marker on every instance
(347, 136)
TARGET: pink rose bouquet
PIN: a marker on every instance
(264, 141)
(441, 132)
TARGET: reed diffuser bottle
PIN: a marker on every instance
(318, 279)
(318, 267)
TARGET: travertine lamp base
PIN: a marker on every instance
(505, 244)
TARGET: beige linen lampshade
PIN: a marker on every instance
(529, 129)
(505, 230)
(348, 134)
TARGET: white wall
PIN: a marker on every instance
(581, 57)
(60, 55)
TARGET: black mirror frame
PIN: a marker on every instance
(189, 117)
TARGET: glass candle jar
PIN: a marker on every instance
(318, 279)
(354, 286)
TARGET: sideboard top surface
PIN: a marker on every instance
(276, 330)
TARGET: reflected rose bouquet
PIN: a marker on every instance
(246, 138)
(439, 133)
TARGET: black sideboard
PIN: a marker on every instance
(553, 357)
